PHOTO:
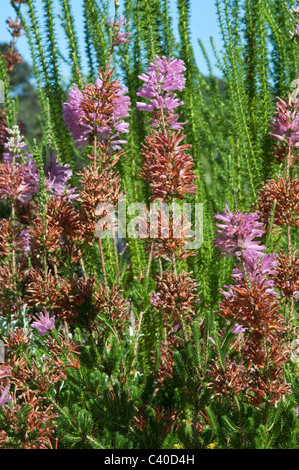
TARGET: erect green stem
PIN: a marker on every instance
(174, 265)
(137, 339)
(116, 5)
(103, 263)
(150, 259)
(195, 416)
(288, 187)
(240, 420)
(289, 240)
(13, 251)
(100, 240)
(116, 257)
(95, 147)
(160, 266)
(83, 266)
(13, 223)
(173, 254)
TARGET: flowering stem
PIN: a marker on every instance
(174, 265)
(116, 5)
(137, 339)
(163, 122)
(160, 266)
(83, 266)
(13, 222)
(173, 254)
(248, 282)
(288, 187)
(103, 263)
(240, 420)
(100, 240)
(66, 329)
(95, 147)
(150, 259)
(289, 240)
(195, 416)
(116, 258)
(13, 251)
(183, 327)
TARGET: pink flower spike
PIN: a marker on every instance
(238, 232)
(82, 128)
(162, 79)
(4, 399)
(121, 37)
(43, 323)
(237, 329)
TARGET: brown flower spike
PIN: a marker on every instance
(167, 166)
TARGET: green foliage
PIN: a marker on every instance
(9, 104)
(27, 102)
(242, 426)
(95, 17)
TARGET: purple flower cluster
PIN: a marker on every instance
(237, 237)
(238, 232)
(43, 322)
(22, 180)
(57, 176)
(295, 32)
(18, 181)
(258, 264)
(24, 240)
(162, 79)
(4, 398)
(259, 269)
(285, 125)
(15, 143)
(20, 168)
(82, 129)
(237, 329)
(20, 177)
(121, 37)
(295, 20)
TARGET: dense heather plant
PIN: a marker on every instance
(278, 199)
(252, 302)
(117, 342)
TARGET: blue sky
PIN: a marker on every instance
(203, 25)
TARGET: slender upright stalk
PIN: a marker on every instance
(137, 339)
(289, 240)
(116, 257)
(103, 263)
(173, 254)
(150, 259)
(13, 222)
